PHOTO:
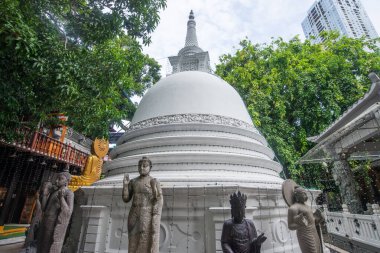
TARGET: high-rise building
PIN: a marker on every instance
(346, 16)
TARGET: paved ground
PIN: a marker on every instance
(334, 249)
(12, 245)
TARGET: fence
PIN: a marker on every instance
(40, 143)
(357, 227)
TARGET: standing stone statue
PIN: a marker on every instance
(30, 245)
(51, 217)
(301, 217)
(239, 234)
(145, 214)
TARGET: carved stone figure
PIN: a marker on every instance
(56, 205)
(30, 245)
(239, 234)
(301, 217)
(145, 214)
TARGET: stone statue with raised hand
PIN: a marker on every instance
(239, 234)
(301, 217)
(145, 214)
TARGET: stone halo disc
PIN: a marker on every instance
(288, 190)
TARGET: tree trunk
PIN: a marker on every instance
(344, 178)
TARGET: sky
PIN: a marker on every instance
(222, 24)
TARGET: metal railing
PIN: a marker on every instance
(42, 144)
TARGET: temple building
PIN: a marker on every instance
(197, 132)
(36, 157)
(354, 136)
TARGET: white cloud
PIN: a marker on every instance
(222, 24)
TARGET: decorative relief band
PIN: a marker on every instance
(192, 118)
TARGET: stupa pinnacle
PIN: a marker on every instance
(191, 35)
(191, 57)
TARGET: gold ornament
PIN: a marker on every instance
(100, 147)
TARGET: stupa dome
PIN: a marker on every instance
(196, 130)
(191, 92)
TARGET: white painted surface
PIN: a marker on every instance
(192, 219)
(191, 92)
(200, 138)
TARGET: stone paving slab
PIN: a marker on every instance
(12, 245)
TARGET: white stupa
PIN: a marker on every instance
(197, 132)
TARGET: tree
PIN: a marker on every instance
(81, 58)
(296, 89)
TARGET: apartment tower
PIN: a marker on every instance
(346, 16)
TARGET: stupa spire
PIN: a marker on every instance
(191, 35)
(191, 56)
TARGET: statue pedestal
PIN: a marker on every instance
(192, 218)
(95, 228)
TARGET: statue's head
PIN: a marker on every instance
(63, 179)
(145, 165)
(238, 201)
(300, 195)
